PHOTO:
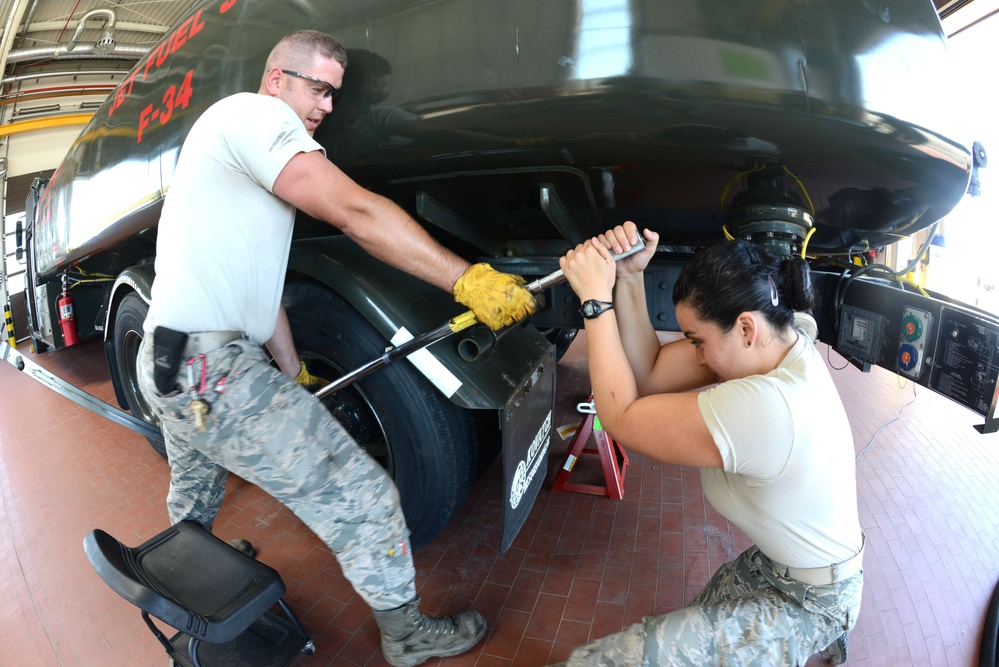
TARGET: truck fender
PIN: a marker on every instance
(398, 305)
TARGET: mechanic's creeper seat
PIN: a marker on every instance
(217, 598)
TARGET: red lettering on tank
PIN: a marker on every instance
(226, 6)
(131, 82)
(163, 53)
(180, 36)
(186, 31)
(144, 121)
(183, 34)
(119, 97)
(156, 59)
(196, 24)
(151, 61)
(123, 90)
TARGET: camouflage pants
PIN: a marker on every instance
(273, 433)
(746, 615)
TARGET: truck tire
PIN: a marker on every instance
(427, 444)
(128, 334)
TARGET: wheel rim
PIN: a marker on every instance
(354, 410)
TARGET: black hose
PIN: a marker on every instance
(988, 656)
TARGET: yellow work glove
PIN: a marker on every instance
(310, 381)
(497, 299)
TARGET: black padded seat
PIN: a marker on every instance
(199, 585)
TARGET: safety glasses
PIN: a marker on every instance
(330, 92)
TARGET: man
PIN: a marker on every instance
(222, 250)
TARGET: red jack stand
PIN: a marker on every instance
(613, 459)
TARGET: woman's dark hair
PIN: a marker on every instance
(725, 280)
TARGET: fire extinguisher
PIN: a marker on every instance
(66, 319)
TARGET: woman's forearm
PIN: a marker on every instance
(638, 337)
(612, 382)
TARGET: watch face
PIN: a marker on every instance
(591, 308)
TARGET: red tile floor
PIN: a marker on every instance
(582, 566)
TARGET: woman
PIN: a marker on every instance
(771, 438)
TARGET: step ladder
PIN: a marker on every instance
(613, 458)
(8, 323)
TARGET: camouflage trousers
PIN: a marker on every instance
(746, 615)
(275, 434)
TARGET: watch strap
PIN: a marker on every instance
(592, 308)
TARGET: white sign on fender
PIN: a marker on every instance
(429, 365)
(528, 467)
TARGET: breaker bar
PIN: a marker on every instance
(452, 326)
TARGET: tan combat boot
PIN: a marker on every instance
(410, 638)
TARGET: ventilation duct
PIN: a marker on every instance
(121, 52)
(106, 46)
(106, 43)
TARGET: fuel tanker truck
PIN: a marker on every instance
(513, 130)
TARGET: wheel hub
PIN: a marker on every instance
(779, 228)
(769, 214)
(352, 410)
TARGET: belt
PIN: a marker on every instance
(206, 341)
(827, 574)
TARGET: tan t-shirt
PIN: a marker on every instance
(224, 236)
(788, 479)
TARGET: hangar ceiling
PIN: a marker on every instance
(85, 40)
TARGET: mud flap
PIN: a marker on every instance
(527, 432)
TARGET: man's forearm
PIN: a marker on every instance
(316, 186)
(389, 234)
(282, 346)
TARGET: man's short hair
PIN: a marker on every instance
(296, 50)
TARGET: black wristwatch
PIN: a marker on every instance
(592, 308)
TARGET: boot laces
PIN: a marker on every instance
(438, 626)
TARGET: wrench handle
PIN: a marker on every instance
(557, 277)
(452, 326)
